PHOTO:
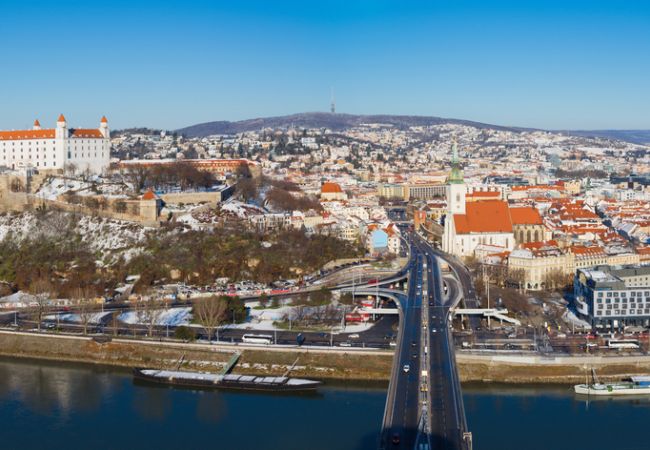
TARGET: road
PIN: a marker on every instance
(446, 415)
(401, 417)
(424, 406)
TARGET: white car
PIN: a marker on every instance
(345, 344)
(354, 336)
(406, 368)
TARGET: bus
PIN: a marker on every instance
(623, 343)
(257, 339)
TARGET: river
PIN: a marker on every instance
(56, 406)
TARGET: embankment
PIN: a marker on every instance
(335, 364)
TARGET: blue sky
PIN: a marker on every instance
(166, 64)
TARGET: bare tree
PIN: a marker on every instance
(42, 290)
(149, 313)
(84, 305)
(138, 175)
(210, 312)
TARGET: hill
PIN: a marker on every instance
(632, 136)
(324, 120)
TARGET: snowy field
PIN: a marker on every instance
(173, 317)
(94, 318)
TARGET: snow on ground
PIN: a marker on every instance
(263, 320)
(76, 318)
(54, 187)
(17, 224)
(105, 234)
(173, 317)
(102, 234)
(570, 317)
(19, 298)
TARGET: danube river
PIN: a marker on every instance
(54, 406)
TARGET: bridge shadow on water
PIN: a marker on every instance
(384, 441)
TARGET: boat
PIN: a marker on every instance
(228, 381)
(636, 385)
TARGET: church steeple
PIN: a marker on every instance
(456, 175)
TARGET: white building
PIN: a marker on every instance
(56, 148)
(468, 225)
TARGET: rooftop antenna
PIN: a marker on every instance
(332, 102)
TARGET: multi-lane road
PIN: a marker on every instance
(424, 406)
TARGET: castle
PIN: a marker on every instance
(57, 148)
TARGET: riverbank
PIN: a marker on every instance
(321, 363)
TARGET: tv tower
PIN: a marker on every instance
(332, 102)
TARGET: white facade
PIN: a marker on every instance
(57, 148)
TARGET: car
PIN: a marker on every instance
(353, 336)
(413, 343)
(406, 368)
(345, 344)
(433, 330)
(395, 439)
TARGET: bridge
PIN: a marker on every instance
(424, 406)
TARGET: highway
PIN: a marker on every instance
(424, 406)
(446, 414)
(401, 417)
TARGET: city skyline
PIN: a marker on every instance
(551, 65)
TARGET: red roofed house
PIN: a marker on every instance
(56, 148)
(332, 192)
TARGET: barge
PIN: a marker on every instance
(636, 385)
(229, 381)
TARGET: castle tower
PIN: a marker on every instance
(61, 127)
(103, 128)
(37, 125)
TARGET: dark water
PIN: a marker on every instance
(45, 405)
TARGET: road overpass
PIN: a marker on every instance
(424, 406)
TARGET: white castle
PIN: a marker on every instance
(56, 148)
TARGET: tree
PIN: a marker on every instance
(138, 175)
(264, 300)
(346, 298)
(42, 289)
(17, 185)
(247, 189)
(517, 277)
(149, 312)
(82, 299)
(556, 279)
(119, 206)
(323, 296)
(209, 313)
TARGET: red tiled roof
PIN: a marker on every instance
(330, 187)
(26, 134)
(61, 118)
(104, 120)
(86, 133)
(525, 216)
(491, 216)
(149, 195)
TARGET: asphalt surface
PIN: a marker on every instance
(446, 415)
(424, 407)
(400, 428)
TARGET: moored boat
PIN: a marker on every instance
(637, 385)
(229, 381)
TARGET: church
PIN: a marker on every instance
(489, 222)
(85, 149)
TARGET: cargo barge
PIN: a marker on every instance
(229, 381)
